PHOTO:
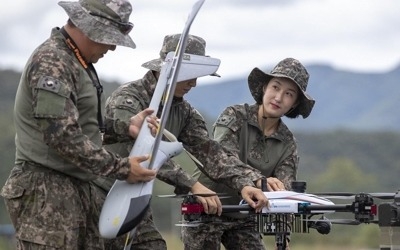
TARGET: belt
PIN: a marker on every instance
(34, 167)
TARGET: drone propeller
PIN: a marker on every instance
(338, 221)
(189, 224)
(220, 195)
(346, 195)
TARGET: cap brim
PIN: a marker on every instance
(93, 29)
(156, 65)
(256, 80)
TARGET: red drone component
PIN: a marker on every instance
(374, 209)
(191, 208)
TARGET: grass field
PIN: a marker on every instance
(174, 243)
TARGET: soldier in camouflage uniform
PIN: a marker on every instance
(49, 196)
(257, 134)
(189, 127)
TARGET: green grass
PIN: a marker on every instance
(174, 243)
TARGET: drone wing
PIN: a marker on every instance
(351, 196)
(220, 195)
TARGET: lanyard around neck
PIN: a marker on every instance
(91, 71)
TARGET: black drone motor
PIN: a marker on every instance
(323, 225)
(361, 208)
(299, 186)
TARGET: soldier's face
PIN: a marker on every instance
(182, 88)
(280, 95)
(93, 51)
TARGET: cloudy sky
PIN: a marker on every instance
(359, 35)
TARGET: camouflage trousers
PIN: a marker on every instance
(50, 210)
(236, 234)
(147, 236)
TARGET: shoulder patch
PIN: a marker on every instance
(49, 83)
(53, 85)
(51, 98)
(225, 120)
(127, 102)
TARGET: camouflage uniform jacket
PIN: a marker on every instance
(186, 124)
(56, 116)
(274, 155)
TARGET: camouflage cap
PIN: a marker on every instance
(195, 45)
(287, 68)
(103, 21)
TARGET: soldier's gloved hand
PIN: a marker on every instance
(211, 204)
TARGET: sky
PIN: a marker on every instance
(355, 35)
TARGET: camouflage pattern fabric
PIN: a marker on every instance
(195, 45)
(238, 235)
(274, 156)
(56, 212)
(54, 206)
(103, 21)
(52, 129)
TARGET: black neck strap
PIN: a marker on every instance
(91, 71)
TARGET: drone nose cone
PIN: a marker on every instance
(117, 224)
(125, 206)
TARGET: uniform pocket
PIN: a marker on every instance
(12, 192)
(15, 186)
(45, 237)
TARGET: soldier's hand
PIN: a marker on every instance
(136, 122)
(254, 197)
(211, 204)
(273, 184)
(138, 173)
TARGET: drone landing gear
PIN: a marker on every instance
(389, 224)
(280, 226)
(281, 240)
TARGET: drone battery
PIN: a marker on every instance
(284, 206)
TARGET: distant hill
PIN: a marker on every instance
(344, 100)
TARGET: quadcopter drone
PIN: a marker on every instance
(295, 211)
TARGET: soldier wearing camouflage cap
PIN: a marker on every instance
(288, 68)
(58, 121)
(195, 45)
(189, 127)
(257, 134)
